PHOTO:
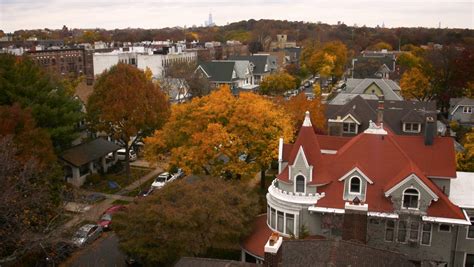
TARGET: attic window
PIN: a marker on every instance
(349, 127)
(409, 127)
(467, 110)
(355, 185)
(300, 183)
(410, 198)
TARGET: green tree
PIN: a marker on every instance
(277, 83)
(186, 218)
(52, 106)
(125, 104)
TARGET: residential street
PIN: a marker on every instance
(103, 252)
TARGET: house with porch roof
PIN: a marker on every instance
(379, 189)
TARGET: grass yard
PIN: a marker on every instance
(99, 182)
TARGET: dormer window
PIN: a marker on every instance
(300, 184)
(349, 127)
(409, 127)
(355, 185)
(467, 110)
(410, 199)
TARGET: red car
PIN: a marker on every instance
(106, 219)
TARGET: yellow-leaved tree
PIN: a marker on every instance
(415, 85)
(465, 159)
(277, 83)
(327, 60)
(223, 135)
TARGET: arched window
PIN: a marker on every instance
(410, 198)
(355, 185)
(300, 183)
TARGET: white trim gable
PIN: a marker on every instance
(302, 154)
(416, 179)
(202, 69)
(352, 117)
(351, 172)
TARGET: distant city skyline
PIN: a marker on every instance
(53, 14)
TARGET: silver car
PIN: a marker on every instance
(86, 234)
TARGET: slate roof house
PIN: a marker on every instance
(384, 190)
(462, 110)
(402, 117)
(375, 64)
(238, 74)
(84, 159)
(264, 65)
(370, 88)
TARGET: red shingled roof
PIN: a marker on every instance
(386, 160)
(255, 242)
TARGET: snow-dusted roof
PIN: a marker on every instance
(462, 188)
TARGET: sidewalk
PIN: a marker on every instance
(94, 212)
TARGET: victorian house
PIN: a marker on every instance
(382, 190)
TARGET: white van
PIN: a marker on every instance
(121, 154)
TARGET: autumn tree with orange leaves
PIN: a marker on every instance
(125, 105)
(297, 106)
(415, 85)
(222, 134)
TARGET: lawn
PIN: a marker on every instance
(100, 182)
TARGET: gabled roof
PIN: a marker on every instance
(389, 88)
(259, 62)
(455, 103)
(85, 153)
(368, 67)
(386, 160)
(219, 71)
(395, 112)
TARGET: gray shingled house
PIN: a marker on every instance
(85, 159)
(462, 111)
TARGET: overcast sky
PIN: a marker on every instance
(111, 14)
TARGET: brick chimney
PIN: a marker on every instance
(430, 130)
(380, 109)
(355, 221)
(272, 250)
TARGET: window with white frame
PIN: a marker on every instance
(409, 127)
(389, 230)
(290, 224)
(410, 199)
(300, 184)
(470, 230)
(414, 229)
(402, 232)
(355, 185)
(272, 219)
(426, 234)
(349, 127)
(467, 109)
(280, 221)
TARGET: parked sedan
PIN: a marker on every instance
(162, 179)
(106, 219)
(86, 234)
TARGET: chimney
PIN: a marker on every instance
(355, 221)
(380, 109)
(272, 250)
(430, 130)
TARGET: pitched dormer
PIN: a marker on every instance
(355, 184)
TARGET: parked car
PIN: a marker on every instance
(86, 234)
(162, 179)
(146, 192)
(121, 154)
(179, 173)
(106, 219)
